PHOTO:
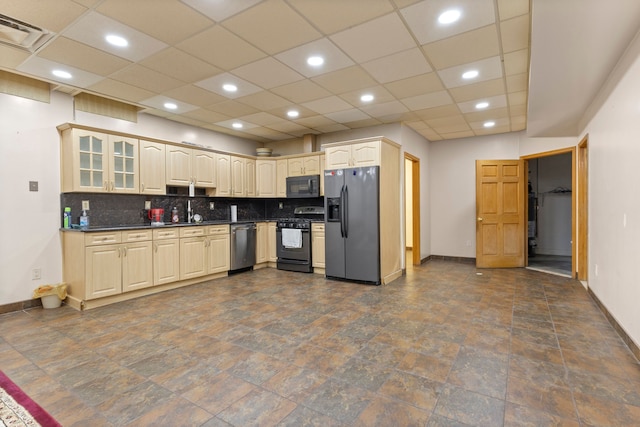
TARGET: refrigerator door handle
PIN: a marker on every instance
(345, 209)
(342, 212)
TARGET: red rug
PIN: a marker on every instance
(17, 409)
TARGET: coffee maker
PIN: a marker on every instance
(156, 216)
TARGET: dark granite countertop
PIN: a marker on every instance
(167, 225)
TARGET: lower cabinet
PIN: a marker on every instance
(204, 250)
(219, 249)
(262, 243)
(317, 245)
(166, 256)
(272, 242)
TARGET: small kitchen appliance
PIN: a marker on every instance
(156, 216)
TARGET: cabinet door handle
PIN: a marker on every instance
(155, 247)
(142, 189)
(119, 252)
(124, 249)
(105, 186)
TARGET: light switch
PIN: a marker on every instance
(33, 185)
(147, 204)
(85, 205)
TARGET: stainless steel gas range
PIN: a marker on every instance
(293, 239)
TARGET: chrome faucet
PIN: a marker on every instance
(189, 212)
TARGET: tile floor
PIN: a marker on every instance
(442, 346)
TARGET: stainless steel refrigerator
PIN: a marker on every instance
(352, 224)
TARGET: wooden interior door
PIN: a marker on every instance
(500, 213)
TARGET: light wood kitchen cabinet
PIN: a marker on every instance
(272, 242)
(223, 166)
(152, 168)
(322, 167)
(306, 165)
(281, 177)
(357, 154)
(117, 262)
(250, 177)
(98, 162)
(218, 248)
(166, 256)
(262, 243)
(238, 176)
(317, 247)
(186, 165)
(266, 178)
(193, 252)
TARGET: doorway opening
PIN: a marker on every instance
(412, 209)
(551, 221)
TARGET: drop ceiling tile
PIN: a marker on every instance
(337, 127)
(12, 57)
(457, 120)
(429, 100)
(358, 124)
(272, 26)
(479, 125)
(438, 112)
(457, 135)
(430, 134)
(334, 16)
(268, 134)
(221, 48)
(145, 78)
(330, 104)
(345, 80)
(518, 123)
(405, 3)
(71, 52)
(119, 90)
(464, 48)
(281, 112)
(194, 95)
(388, 69)
(262, 118)
(220, 10)
(180, 65)
(206, 116)
(518, 98)
(422, 18)
(417, 125)
(186, 120)
(517, 82)
(292, 128)
(264, 101)
(489, 69)
(511, 8)
(384, 109)
(448, 129)
(485, 115)
(232, 108)
(478, 90)
(492, 131)
(380, 94)
(347, 116)
(214, 84)
(515, 34)
(374, 39)
(171, 23)
(229, 124)
(516, 62)
(334, 58)
(302, 91)
(93, 27)
(267, 73)
(158, 102)
(40, 67)
(498, 101)
(414, 86)
(315, 122)
(518, 110)
(50, 15)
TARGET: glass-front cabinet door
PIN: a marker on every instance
(91, 161)
(123, 165)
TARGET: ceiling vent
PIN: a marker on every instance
(21, 35)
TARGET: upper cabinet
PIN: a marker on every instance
(238, 178)
(307, 165)
(99, 163)
(250, 177)
(186, 165)
(265, 178)
(223, 172)
(281, 178)
(152, 168)
(353, 155)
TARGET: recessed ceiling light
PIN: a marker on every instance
(170, 105)
(472, 74)
(449, 16)
(315, 61)
(293, 113)
(62, 74)
(230, 87)
(117, 40)
(367, 97)
(481, 105)
(237, 125)
(489, 124)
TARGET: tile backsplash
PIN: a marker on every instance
(112, 210)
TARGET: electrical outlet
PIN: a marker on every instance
(33, 185)
(36, 274)
(280, 205)
(147, 204)
(85, 205)
(596, 269)
(211, 206)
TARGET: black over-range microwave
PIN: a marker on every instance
(303, 186)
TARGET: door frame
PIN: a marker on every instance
(415, 206)
(571, 150)
(583, 209)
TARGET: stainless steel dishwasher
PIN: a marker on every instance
(243, 246)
